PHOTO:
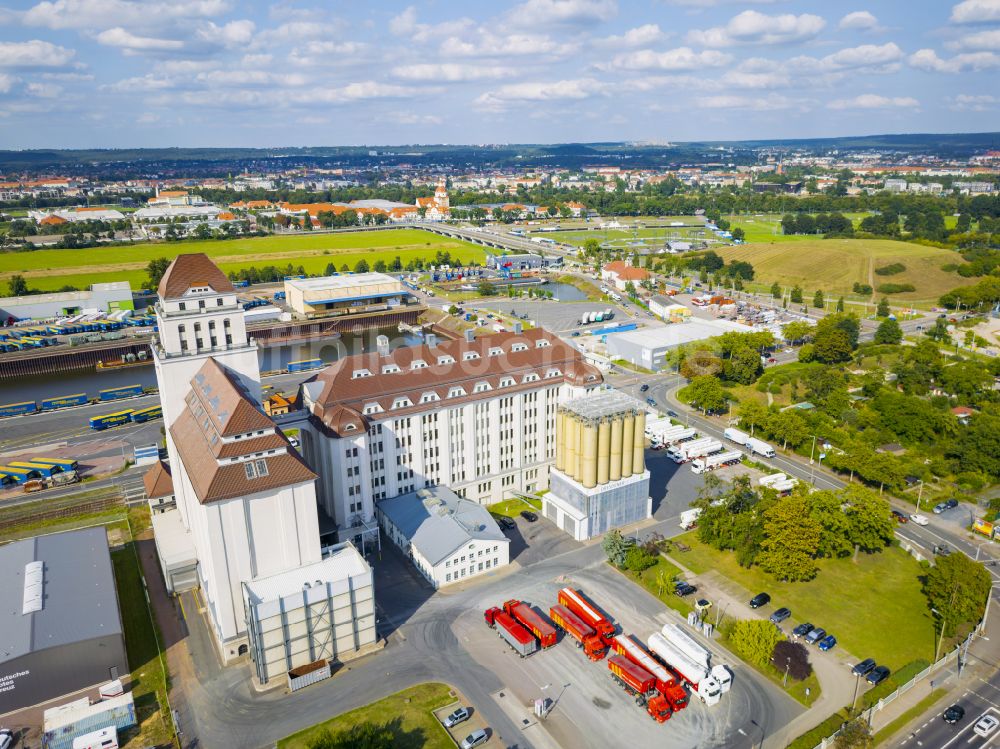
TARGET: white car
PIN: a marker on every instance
(986, 725)
(6, 738)
(919, 519)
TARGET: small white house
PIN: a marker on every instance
(449, 539)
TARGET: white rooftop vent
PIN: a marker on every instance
(33, 583)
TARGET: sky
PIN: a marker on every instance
(187, 73)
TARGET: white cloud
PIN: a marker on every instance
(753, 27)
(859, 20)
(874, 101)
(927, 59)
(33, 54)
(713, 3)
(409, 118)
(43, 90)
(450, 72)
(358, 92)
(256, 61)
(574, 89)
(297, 31)
(976, 11)
(101, 14)
(975, 103)
(6, 82)
(535, 12)
(681, 58)
(864, 56)
(490, 45)
(232, 34)
(405, 23)
(640, 36)
(147, 118)
(741, 79)
(981, 40)
(326, 52)
(119, 37)
(759, 103)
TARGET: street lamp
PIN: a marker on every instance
(857, 684)
(937, 650)
(757, 725)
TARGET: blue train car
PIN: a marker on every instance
(20, 475)
(43, 468)
(125, 391)
(110, 420)
(147, 414)
(17, 409)
(304, 364)
(64, 463)
(63, 401)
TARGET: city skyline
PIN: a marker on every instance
(118, 73)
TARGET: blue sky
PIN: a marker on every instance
(126, 73)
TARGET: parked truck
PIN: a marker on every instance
(689, 518)
(520, 639)
(711, 462)
(698, 652)
(634, 679)
(687, 451)
(774, 478)
(735, 435)
(526, 616)
(697, 676)
(576, 603)
(581, 632)
(759, 447)
(667, 683)
(681, 434)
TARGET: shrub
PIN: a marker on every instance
(896, 288)
(890, 270)
(638, 559)
(754, 640)
(793, 655)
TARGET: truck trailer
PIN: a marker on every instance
(533, 622)
(679, 435)
(698, 652)
(667, 683)
(520, 639)
(634, 679)
(774, 478)
(689, 518)
(711, 462)
(581, 632)
(735, 435)
(697, 676)
(687, 451)
(759, 447)
(576, 603)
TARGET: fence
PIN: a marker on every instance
(867, 715)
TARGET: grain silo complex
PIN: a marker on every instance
(600, 479)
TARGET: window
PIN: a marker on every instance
(553, 373)
(481, 387)
(447, 577)
(519, 347)
(390, 368)
(429, 397)
(531, 377)
(218, 302)
(250, 470)
(495, 351)
(402, 402)
(261, 466)
(183, 306)
(469, 356)
(456, 392)
(446, 360)
(359, 373)
(418, 364)
(541, 343)
(506, 382)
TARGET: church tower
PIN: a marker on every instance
(441, 199)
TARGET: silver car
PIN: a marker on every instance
(476, 738)
(460, 715)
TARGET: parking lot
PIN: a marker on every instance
(555, 316)
(466, 727)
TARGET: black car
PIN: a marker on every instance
(780, 615)
(877, 675)
(802, 630)
(761, 599)
(506, 523)
(529, 516)
(650, 401)
(864, 668)
(953, 714)
(671, 413)
(643, 388)
(952, 503)
(684, 589)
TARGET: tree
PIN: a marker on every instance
(957, 588)
(155, 270)
(379, 266)
(485, 288)
(797, 330)
(794, 657)
(776, 290)
(707, 393)
(17, 286)
(871, 525)
(889, 332)
(616, 547)
(854, 735)
(791, 537)
(743, 366)
(638, 558)
(831, 346)
(753, 415)
(796, 295)
(818, 301)
(754, 640)
(738, 234)
(883, 308)
(840, 304)
(361, 266)
(789, 427)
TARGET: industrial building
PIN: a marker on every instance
(320, 611)
(102, 297)
(346, 294)
(447, 538)
(61, 627)
(649, 347)
(600, 480)
(667, 309)
(524, 261)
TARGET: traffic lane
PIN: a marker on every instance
(938, 734)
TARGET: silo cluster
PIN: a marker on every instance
(600, 439)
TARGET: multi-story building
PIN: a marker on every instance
(475, 414)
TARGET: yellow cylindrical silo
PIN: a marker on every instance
(628, 441)
(570, 467)
(579, 451)
(603, 451)
(560, 440)
(639, 446)
(615, 469)
(590, 456)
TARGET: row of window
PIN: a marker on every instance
(457, 391)
(473, 568)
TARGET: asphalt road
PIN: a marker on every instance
(982, 699)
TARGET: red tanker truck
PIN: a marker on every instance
(584, 635)
(580, 606)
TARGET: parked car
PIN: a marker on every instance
(761, 599)
(900, 516)
(684, 589)
(672, 414)
(575, 334)
(6, 738)
(460, 715)
(952, 503)
(953, 714)
(940, 507)
(476, 738)
(506, 523)
(877, 675)
(816, 635)
(942, 550)
(919, 519)
(802, 630)
(780, 615)
(828, 643)
(986, 725)
(771, 360)
(864, 668)
(529, 516)
(651, 402)
(643, 387)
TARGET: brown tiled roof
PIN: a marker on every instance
(342, 420)
(157, 481)
(220, 396)
(190, 270)
(342, 392)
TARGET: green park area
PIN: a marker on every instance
(405, 718)
(52, 269)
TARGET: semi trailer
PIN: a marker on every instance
(526, 616)
(521, 640)
(698, 652)
(735, 435)
(576, 603)
(581, 632)
(667, 683)
(759, 447)
(634, 679)
(687, 451)
(697, 676)
(711, 462)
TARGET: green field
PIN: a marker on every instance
(51, 269)
(834, 265)
(409, 714)
(637, 234)
(874, 607)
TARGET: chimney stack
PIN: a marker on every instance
(518, 327)
(430, 339)
(470, 336)
(382, 345)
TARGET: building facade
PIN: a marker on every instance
(345, 294)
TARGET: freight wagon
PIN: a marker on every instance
(521, 640)
(581, 632)
(110, 420)
(20, 475)
(125, 391)
(304, 364)
(64, 463)
(147, 414)
(533, 622)
(17, 409)
(64, 401)
(576, 603)
(44, 469)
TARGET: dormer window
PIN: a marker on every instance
(506, 382)
(359, 373)
(519, 347)
(390, 368)
(531, 377)
(446, 360)
(542, 343)
(481, 387)
(553, 373)
(350, 427)
(456, 392)
(402, 403)
(495, 351)
(255, 468)
(470, 355)
(418, 364)
(371, 408)
(429, 397)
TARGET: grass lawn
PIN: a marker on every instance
(148, 673)
(409, 713)
(834, 265)
(50, 269)
(659, 580)
(513, 507)
(875, 607)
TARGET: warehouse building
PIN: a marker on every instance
(62, 631)
(447, 538)
(346, 294)
(523, 261)
(600, 480)
(102, 297)
(649, 347)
